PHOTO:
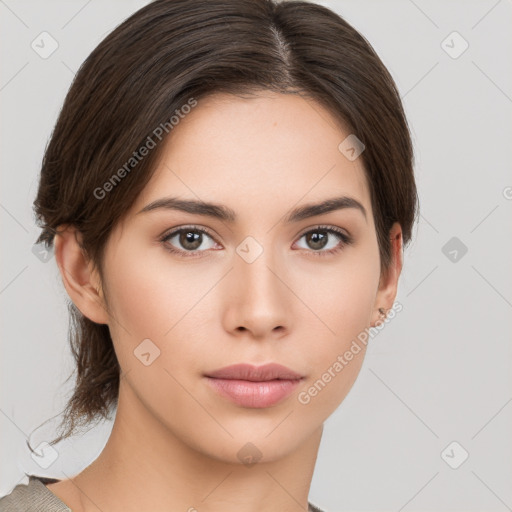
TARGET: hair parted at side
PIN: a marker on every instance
(165, 55)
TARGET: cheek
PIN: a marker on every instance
(339, 297)
(342, 303)
(150, 293)
(335, 359)
(156, 298)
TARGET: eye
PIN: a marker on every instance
(194, 240)
(318, 240)
(190, 239)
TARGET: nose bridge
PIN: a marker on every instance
(258, 300)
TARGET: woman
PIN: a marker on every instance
(228, 191)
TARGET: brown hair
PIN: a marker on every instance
(146, 70)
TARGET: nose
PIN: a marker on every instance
(257, 300)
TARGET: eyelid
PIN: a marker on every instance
(192, 227)
(328, 227)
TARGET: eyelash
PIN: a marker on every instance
(345, 240)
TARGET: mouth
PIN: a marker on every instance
(254, 387)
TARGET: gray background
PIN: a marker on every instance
(439, 372)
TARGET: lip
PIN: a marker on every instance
(271, 371)
(254, 386)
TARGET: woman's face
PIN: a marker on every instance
(257, 288)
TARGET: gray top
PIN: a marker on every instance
(36, 497)
(33, 497)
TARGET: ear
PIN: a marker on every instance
(388, 283)
(79, 277)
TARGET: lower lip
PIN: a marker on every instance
(254, 394)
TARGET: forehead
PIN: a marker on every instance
(272, 150)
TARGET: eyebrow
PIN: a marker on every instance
(226, 214)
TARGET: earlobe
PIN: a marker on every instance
(80, 280)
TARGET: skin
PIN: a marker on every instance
(174, 441)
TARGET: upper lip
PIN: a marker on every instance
(271, 371)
